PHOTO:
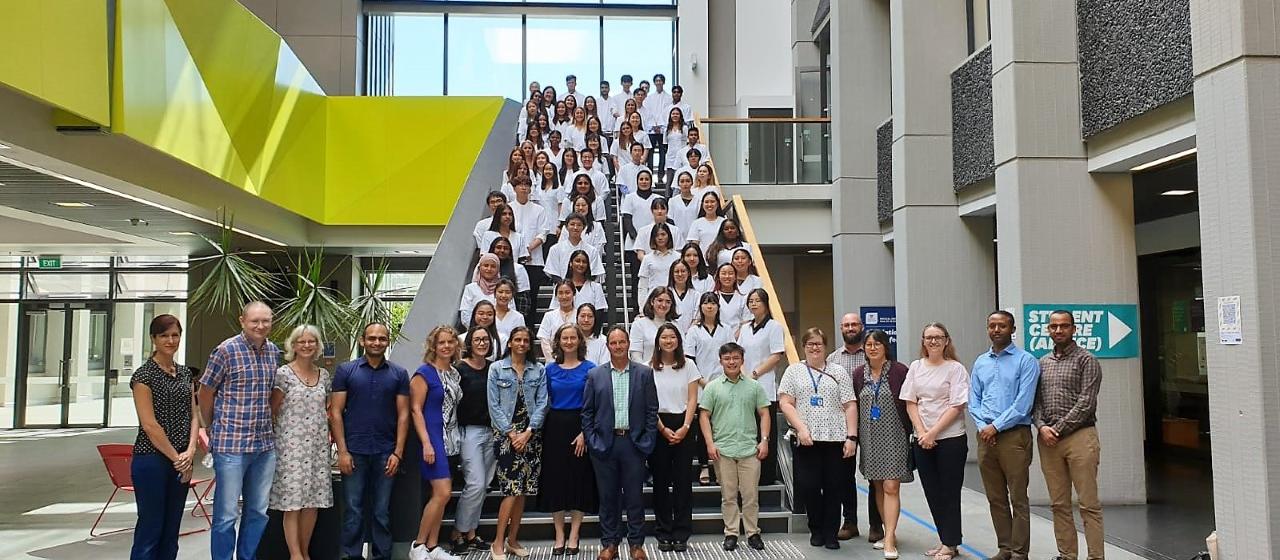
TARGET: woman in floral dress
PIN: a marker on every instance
(299, 401)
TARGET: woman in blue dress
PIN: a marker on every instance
(568, 479)
(435, 390)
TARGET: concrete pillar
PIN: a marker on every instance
(694, 32)
(1065, 236)
(327, 36)
(1235, 44)
(943, 267)
(8, 361)
(862, 263)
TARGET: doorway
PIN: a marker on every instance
(64, 373)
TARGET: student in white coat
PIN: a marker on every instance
(703, 278)
(570, 241)
(514, 271)
(733, 304)
(704, 229)
(678, 102)
(493, 201)
(702, 343)
(655, 267)
(659, 216)
(693, 140)
(658, 308)
(727, 240)
(683, 206)
(675, 136)
(505, 315)
(680, 282)
(504, 225)
(585, 287)
(744, 266)
(562, 312)
(605, 109)
(581, 185)
(593, 231)
(590, 321)
(762, 341)
(592, 169)
(636, 162)
(483, 282)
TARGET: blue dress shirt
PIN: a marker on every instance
(1002, 388)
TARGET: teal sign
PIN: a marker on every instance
(1106, 330)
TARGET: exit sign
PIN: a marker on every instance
(50, 261)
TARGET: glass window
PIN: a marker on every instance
(400, 285)
(559, 46)
(418, 55)
(485, 55)
(167, 261)
(38, 324)
(62, 285)
(151, 285)
(97, 340)
(641, 47)
(9, 285)
(8, 362)
(9, 261)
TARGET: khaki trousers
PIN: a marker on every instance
(1005, 470)
(739, 476)
(1074, 462)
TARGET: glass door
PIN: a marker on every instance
(64, 370)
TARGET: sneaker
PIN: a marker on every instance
(754, 541)
(439, 553)
(419, 552)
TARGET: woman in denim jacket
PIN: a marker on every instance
(517, 406)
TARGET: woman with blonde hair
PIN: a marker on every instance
(299, 402)
(434, 392)
(936, 392)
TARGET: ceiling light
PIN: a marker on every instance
(257, 252)
(72, 204)
(1176, 192)
(406, 252)
(1163, 160)
(3, 147)
(815, 251)
(181, 233)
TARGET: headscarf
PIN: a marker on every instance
(486, 286)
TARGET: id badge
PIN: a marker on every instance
(875, 412)
(815, 400)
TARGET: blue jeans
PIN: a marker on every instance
(367, 487)
(478, 464)
(250, 475)
(162, 498)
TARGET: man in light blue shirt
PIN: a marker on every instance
(1002, 391)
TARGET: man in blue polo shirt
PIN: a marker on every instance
(369, 418)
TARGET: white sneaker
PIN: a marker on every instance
(419, 552)
(439, 553)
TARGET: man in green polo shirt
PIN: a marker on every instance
(733, 403)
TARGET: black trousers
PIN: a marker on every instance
(820, 482)
(673, 483)
(942, 476)
(769, 466)
(851, 498)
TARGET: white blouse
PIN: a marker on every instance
(682, 213)
(552, 320)
(505, 324)
(655, 268)
(759, 345)
(644, 332)
(558, 257)
(471, 295)
(703, 232)
(591, 292)
(726, 255)
(686, 306)
(673, 387)
(643, 233)
(640, 213)
(704, 347)
(597, 351)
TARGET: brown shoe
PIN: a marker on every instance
(847, 531)
(638, 553)
(608, 553)
(875, 535)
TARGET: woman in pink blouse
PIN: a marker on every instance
(936, 391)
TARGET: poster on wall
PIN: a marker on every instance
(882, 318)
(1229, 329)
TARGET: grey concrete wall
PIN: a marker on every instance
(862, 264)
(327, 36)
(722, 66)
(1134, 56)
(972, 135)
(1066, 236)
(943, 264)
(1237, 89)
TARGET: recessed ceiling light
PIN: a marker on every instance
(1176, 192)
(257, 252)
(406, 252)
(72, 204)
(181, 233)
(1, 184)
(815, 251)
(1165, 159)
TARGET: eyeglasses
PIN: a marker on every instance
(934, 338)
(814, 344)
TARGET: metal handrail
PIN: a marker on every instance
(753, 120)
(622, 255)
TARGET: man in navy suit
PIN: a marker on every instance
(620, 423)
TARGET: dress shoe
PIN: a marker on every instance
(608, 553)
(816, 540)
(638, 553)
(832, 545)
(680, 546)
(847, 531)
(754, 541)
(665, 546)
(875, 534)
(730, 543)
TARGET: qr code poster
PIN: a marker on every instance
(1229, 330)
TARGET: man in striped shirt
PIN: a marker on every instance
(235, 403)
(851, 357)
(1066, 411)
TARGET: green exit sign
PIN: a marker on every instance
(50, 261)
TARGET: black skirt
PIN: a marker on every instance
(568, 481)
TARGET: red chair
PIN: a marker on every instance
(199, 510)
(118, 459)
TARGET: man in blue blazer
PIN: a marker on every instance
(620, 424)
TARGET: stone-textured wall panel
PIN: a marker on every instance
(972, 136)
(1135, 55)
(884, 171)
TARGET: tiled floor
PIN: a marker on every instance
(52, 487)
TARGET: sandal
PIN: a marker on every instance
(935, 550)
(945, 553)
(704, 478)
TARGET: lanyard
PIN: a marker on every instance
(814, 379)
(876, 387)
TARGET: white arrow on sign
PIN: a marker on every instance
(1116, 330)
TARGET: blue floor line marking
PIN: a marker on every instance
(925, 524)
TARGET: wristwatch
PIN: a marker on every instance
(852, 438)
